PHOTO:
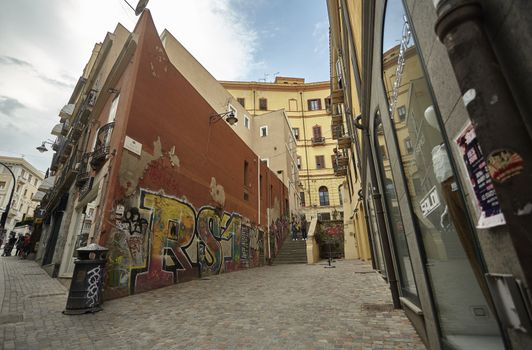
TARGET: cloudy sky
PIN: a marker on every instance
(44, 45)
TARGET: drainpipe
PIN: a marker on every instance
(305, 146)
(381, 224)
(500, 129)
(366, 219)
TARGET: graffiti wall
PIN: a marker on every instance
(162, 240)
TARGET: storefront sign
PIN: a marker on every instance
(480, 179)
(430, 202)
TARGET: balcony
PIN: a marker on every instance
(342, 160)
(337, 96)
(316, 141)
(337, 131)
(344, 142)
(83, 170)
(86, 188)
(101, 149)
(337, 119)
(65, 151)
(340, 171)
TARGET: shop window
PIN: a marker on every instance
(324, 196)
(395, 223)
(438, 207)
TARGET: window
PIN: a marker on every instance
(25, 191)
(324, 216)
(29, 178)
(320, 162)
(333, 160)
(242, 101)
(340, 199)
(23, 174)
(314, 104)
(438, 211)
(408, 145)
(266, 161)
(263, 131)
(35, 182)
(2, 185)
(296, 133)
(383, 152)
(246, 122)
(302, 198)
(401, 112)
(328, 104)
(263, 104)
(246, 173)
(112, 110)
(316, 135)
(324, 196)
(299, 162)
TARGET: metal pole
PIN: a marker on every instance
(3, 219)
(499, 126)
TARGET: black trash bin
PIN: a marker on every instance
(86, 288)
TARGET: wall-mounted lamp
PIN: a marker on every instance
(42, 148)
(228, 116)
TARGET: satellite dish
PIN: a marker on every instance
(141, 6)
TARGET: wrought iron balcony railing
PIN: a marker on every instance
(84, 172)
(101, 148)
(318, 140)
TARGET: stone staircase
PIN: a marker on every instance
(292, 252)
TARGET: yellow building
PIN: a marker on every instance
(345, 57)
(307, 107)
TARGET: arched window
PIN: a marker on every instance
(324, 196)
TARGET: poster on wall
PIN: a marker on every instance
(487, 201)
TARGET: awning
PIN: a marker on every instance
(38, 196)
(66, 112)
(57, 129)
(46, 184)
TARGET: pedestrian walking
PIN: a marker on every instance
(25, 246)
(10, 244)
(304, 228)
(18, 244)
(293, 227)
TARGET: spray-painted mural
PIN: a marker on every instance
(164, 240)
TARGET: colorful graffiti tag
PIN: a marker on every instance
(157, 243)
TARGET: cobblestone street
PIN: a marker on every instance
(274, 307)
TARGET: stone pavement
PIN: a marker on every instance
(274, 307)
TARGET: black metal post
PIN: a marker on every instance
(499, 127)
(3, 219)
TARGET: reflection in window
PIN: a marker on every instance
(404, 265)
(433, 191)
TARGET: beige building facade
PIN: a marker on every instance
(28, 180)
(307, 108)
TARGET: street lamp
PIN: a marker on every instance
(3, 218)
(228, 116)
(42, 148)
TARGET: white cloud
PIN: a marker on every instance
(46, 43)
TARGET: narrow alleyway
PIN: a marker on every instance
(279, 307)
